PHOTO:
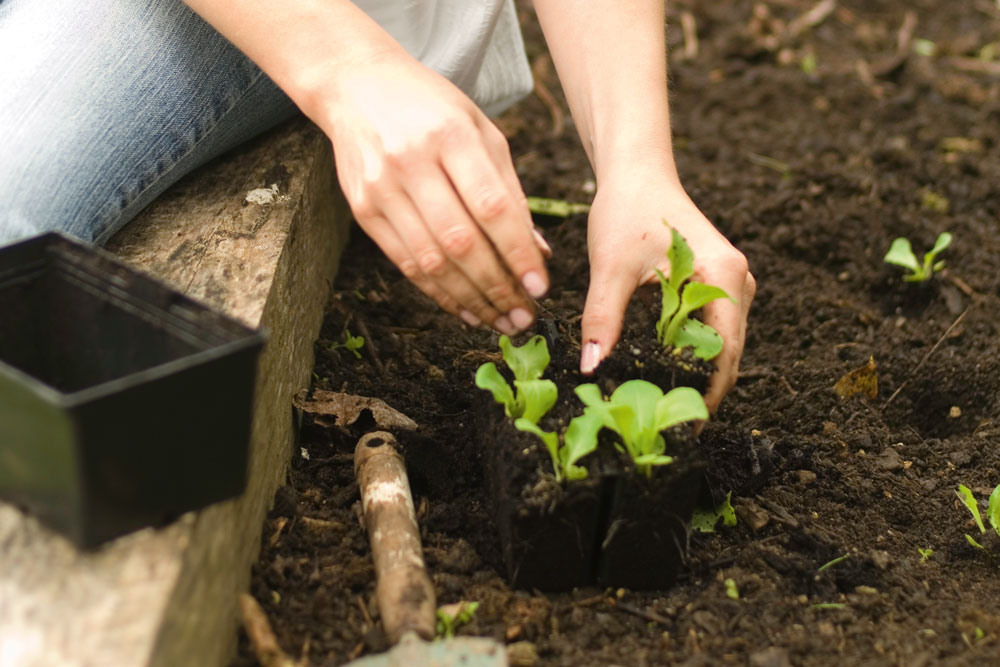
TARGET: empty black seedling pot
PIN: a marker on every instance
(122, 402)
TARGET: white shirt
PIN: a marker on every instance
(476, 44)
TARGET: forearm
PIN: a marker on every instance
(611, 60)
(303, 45)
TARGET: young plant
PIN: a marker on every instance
(453, 616)
(992, 511)
(529, 400)
(680, 298)
(351, 343)
(901, 254)
(637, 411)
(530, 397)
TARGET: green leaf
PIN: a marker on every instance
(528, 361)
(965, 495)
(590, 394)
(669, 300)
(705, 520)
(694, 296)
(942, 242)
(681, 259)
(580, 438)
(679, 405)
(972, 541)
(640, 429)
(538, 397)
(705, 341)
(901, 254)
(489, 378)
(993, 511)
(653, 460)
(551, 441)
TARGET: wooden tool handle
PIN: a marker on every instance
(403, 590)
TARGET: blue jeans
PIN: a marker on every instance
(106, 103)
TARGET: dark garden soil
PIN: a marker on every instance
(812, 141)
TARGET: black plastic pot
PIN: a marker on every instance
(122, 402)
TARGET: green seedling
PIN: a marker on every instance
(992, 511)
(564, 456)
(704, 520)
(530, 397)
(557, 208)
(829, 564)
(351, 343)
(732, 592)
(925, 554)
(680, 298)
(828, 605)
(637, 411)
(901, 254)
(453, 616)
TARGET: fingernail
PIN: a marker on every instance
(542, 243)
(590, 357)
(469, 318)
(521, 318)
(534, 284)
(503, 325)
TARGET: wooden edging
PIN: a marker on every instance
(168, 597)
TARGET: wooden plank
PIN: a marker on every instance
(169, 596)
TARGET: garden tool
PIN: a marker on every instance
(403, 591)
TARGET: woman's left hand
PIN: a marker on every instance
(627, 239)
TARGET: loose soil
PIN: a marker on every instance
(811, 146)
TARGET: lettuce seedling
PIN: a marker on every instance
(530, 397)
(901, 254)
(565, 455)
(637, 411)
(351, 343)
(680, 298)
(992, 512)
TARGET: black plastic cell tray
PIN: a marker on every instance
(123, 403)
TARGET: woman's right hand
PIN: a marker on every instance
(430, 179)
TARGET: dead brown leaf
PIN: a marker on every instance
(347, 408)
(862, 380)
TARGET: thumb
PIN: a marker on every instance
(603, 312)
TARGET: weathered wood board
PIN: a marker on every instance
(257, 234)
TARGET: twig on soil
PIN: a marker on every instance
(974, 65)
(904, 39)
(928, 355)
(810, 19)
(261, 636)
(787, 385)
(540, 70)
(690, 29)
(363, 608)
(651, 616)
(370, 347)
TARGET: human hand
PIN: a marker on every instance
(430, 179)
(627, 240)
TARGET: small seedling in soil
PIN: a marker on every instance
(992, 512)
(705, 520)
(732, 592)
(637, 411)
(925, 554)
(453, 616)
(829, 564)
(680, 298)
(351, 343)
(828, 605)
(901, 254)
(530, 397)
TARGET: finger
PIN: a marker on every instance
(499, 150)
(500, 214)
(468, 250)
(409, 245)
(729, 318)
(603, 312)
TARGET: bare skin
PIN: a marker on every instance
(436, 189)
